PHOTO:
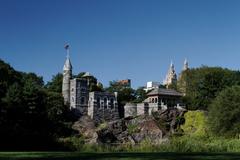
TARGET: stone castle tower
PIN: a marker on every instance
(67, 75)
(171, 78)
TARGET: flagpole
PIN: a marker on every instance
(68, 53)
(67, 50)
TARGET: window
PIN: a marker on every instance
(152, 100)
(156, 100)
(98, 102)
(83, 89)
(82, 100)
(72, 99)
(112, 103)
(105, 102)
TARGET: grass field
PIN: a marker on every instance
(116, 156)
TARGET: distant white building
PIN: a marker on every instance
(152, 85)
(171, 77)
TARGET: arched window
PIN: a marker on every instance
(156, 100)
(72, 99)
(152, 100)
(82, 100)
(111, 103)
(98, 102)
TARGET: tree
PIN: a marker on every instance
(203, 84)
(55, 85)
(31, 115)
(125, 94)
(223, 118)
(55, 106)
(8, 76)
(140, 95)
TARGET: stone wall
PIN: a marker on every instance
(153, 107)
(130, 110)
(103, 106)
(142, 108)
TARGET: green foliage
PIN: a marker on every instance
(102, 126)
(184, 144)
(132, 128)
(224, 113)
(140, 95)
(125, 94)
(195, 123)
(172, 86)
(203, 84)
(80, 75)
(201, 144)
(8, 76)
(30, 114)
(73, 142)
(55, 85)
(55, 106)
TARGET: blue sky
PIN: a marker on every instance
(118, 39)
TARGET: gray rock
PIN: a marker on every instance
(86, 128)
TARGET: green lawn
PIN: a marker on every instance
(117, 156)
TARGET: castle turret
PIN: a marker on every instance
(67, 75)
(171, 78)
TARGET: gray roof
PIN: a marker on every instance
(87, 74)
(162, 91)
(67, 64)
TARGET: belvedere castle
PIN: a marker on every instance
(100, 106)
(103, 106)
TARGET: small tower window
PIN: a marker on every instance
(82, 100)
(98, 102)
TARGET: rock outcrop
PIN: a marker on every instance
(156, 128)
(85, 127)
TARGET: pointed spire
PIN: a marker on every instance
(171, 76)
(185, 66)
(67, 65)
(172, 67)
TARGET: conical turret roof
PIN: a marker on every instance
(67, 65)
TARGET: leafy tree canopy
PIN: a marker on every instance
(55, 85)
(224, 112)
(203, 84)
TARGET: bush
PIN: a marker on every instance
(195, 123)
(224, 119)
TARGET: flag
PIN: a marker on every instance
(66, 46)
